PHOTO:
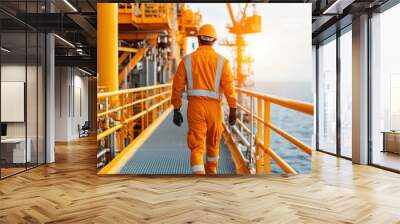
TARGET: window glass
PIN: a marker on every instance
(22, 88)
(327, 96)
(385, 84)
(15, 151)
(346, 94)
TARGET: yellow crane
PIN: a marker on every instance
(241, 26)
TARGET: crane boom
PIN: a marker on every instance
(230, 11)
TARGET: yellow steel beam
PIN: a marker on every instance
(123, 57)
(124, 17)
(131, 65)
(121, 159)
(244, 15)
(230, 11)
(138, 36)
(128, 49)
(107, 45)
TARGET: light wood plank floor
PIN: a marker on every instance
(69, 191)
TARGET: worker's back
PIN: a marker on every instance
(204, 63)
(208, 78)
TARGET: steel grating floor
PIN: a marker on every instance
(166, 152)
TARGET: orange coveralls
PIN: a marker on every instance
(204, 113)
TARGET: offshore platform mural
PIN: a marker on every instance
(140, 46)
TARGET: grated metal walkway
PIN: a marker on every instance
(166, 152)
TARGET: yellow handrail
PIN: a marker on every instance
(133, 90)
(102, 114)
(306, 108)
(281, 163)
(153, 99)
(117, 113)
(263, 151)
(307, 149)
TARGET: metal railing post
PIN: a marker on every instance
(146, 106)
(263, 118)
(117, 119)
(153, 102)
(241, 119)
(130, 114)
(107, 121)
(142, 109)
(122, 120)
(159, 109)
(251, 154)
(259, 150)
(267, 137)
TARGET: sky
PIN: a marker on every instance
(281, 52)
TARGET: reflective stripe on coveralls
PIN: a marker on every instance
(197, 168)
(212, 159)
(203, 92)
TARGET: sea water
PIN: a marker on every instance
(295, 123)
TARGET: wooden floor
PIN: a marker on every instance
(10, 171)
(69, 191)
(387, 159)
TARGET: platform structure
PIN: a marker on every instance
(139, 132)
(166, 152)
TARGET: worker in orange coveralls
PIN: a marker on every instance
(207, 75)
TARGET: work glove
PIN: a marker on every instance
(178, 119)
(232, 116)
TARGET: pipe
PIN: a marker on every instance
(107, 45)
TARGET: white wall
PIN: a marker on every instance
(62, 83)
(79, 117)
(33, 127)
(71, 94)
(14, 73)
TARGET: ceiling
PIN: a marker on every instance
(332, 15)
(73, 20)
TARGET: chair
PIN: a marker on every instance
(84, 130)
